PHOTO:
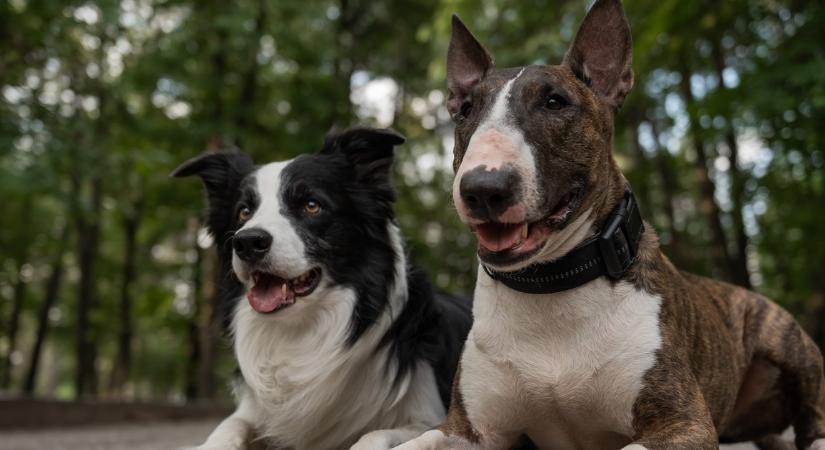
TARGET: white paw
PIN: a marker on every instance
(217, 446)
(818, 444)
(431, 440)
(376, 440)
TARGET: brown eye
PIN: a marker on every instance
(245, 214)
(556, 102)
(312, 207)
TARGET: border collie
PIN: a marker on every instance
(340, 342)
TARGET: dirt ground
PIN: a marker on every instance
(145, 436)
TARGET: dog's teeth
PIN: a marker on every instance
(283, 289)
(524, 231)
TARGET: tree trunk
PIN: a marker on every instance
(194, 328)
(123, 361)
(52, 292)
(219, 64)
(343, 65)
(210, 329)
(208, 333)
(642, 190)
(667, 177)
(817, 305)
(18, 296)
(246, 112)
(719, 245)
(88, 236)
(14, 324)
(741, 275)
(89, 221)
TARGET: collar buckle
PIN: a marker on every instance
(619, 240)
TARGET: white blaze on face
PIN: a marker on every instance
(286, 256)
(495, 143)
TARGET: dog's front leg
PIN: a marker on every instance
(457, 432)
(233, 433)
(671, 414)
(686, 434)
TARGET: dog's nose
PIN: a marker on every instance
(252, 245)
(487, 194)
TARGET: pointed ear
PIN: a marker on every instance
(221, 173)
(467, 63)
(369, 151)
(602, 51)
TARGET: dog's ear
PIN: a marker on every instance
(467, 63)
(369, 151)
(601, 54)
(221, 173)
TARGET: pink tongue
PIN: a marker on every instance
(267, 295)
(498, 237)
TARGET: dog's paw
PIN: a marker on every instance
(436, 440)
(376, 440)
(217, 446)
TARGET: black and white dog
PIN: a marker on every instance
(340, 342)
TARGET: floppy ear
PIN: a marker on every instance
(467, 63)
(221, 173)
(601, 54)
(369, 151)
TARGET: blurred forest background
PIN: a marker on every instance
(107, 281)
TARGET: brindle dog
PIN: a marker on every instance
(659, 359)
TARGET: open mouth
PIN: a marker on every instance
(507, 243)
(271, 293)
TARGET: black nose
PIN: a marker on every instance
(252, 245)
(488, 193)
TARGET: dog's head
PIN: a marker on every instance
(303, 226)
(533, 162)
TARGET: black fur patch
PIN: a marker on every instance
(225, 177)
(432, 327)
(350, 179)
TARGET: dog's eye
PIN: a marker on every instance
(556, 102)
(466, 109)
(244, 214)
(312, 207)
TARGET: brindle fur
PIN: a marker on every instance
(733, 365)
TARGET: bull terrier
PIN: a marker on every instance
(585, 335)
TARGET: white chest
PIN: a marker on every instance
(564, 368)
(310, 390)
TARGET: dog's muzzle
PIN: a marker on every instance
(488, 195)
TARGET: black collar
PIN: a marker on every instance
(609, 253)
